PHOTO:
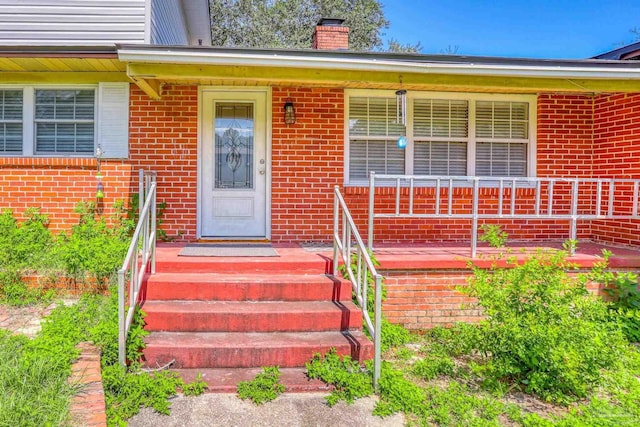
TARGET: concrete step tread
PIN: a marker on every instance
(261, 340)
(225, 380)
(247, 307)
(240, 277)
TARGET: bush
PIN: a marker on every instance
(265, 387)
(543, 330)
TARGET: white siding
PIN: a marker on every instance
(72, 22)
(168, 26)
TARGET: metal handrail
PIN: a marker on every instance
(140, 259)
(364, 271)
(569, 199)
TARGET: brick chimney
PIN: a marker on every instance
(330, 35)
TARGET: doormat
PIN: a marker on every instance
(228, 250)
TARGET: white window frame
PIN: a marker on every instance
(471, 145)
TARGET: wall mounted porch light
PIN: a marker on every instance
(289, 112)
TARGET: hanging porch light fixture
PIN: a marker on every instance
(401, 115)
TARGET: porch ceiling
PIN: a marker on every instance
(22, 65)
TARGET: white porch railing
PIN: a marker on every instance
(356, 257)
(570, 199)
(140, 259)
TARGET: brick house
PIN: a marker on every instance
(147, 105)
(137, 82)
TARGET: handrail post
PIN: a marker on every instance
(574, 216)
(377, 350)
(372, 186)
(336, 224)
(122, 332)
(474, 221)
(154, 225)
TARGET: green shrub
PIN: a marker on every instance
(543, 331)
(265, 387)
(93, 247)
(432, 365)
(623, 291)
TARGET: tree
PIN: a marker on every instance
(397, 47)
(290, 23)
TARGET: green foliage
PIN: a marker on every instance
(93, 247)
(493, 235)
(397, 393)
(34, 390)
(126, 392)
(623, 291)
(290, 23)
(195, 388)
(432, 365)
(350, 379)
(543, 331)
(265, 387)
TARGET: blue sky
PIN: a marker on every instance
(529, 29)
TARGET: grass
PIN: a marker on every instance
(33, 374)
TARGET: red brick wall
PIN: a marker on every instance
(616, 154)
(307, 161)
(56, 185)
(164, 138)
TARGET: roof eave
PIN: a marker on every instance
(339, 60)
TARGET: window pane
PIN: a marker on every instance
(509, 120)
(65, 121)
(440, 158)
(383, 157)
(11, 121)
(501, 159)
(440, 118)
(374, 117)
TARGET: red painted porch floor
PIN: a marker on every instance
(318, 260)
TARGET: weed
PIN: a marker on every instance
(196, 388)
(350, 379)
(265, 387)
(493, 235)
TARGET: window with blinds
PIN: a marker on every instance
(11, 104)
(456, 136)
(502, 137)
(440, 136)
(64, 121)
(373, 131)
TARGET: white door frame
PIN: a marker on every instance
(201, 124)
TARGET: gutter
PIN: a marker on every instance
(341, 61)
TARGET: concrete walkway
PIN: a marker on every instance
(288, 410)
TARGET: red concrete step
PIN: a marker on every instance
(250, 349)
(225, 380)
(252, 316)
(246, 287)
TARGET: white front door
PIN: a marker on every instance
(233, 172)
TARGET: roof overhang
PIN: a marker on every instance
(60, 64)
(152, 66)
